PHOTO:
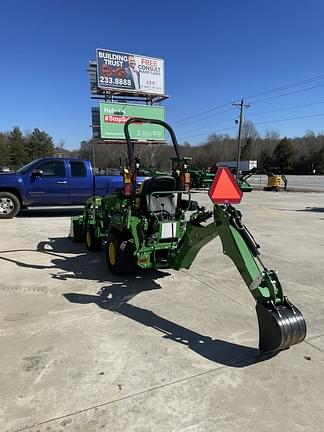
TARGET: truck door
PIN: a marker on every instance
(50, 186)
(80, 182)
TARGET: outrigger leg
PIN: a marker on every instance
(281, 324)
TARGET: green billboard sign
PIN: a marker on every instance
(113, 116)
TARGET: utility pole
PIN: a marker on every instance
(241, 105)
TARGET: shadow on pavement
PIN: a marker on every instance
(50, 212)
(115, 297)
(313, 209)
(57, 248)
(306, 209)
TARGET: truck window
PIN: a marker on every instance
(78, 169)
(25, 168)
(53, 169)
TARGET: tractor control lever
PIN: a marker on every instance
(200, 216)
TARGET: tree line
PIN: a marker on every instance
(299, 155)
(17, 149)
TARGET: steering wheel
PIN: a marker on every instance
(163, 212)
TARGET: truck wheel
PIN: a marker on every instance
(9, 205)
(92, 242)
(119, 254)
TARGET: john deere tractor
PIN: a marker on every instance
(158, 225)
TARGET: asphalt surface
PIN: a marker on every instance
(82, 350)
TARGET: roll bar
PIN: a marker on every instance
(130, 145)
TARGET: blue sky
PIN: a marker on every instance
(215, 51)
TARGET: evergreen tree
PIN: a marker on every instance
(318, 165)
(39, 144)
(246, 152)
(4, 150)
(284, 155)
(17, 148)
(265, 161)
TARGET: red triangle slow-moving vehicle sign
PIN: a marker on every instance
(224, 189)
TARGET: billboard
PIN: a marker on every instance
(113, 116)
(129, 72)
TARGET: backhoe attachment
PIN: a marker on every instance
(146, 226)
(281, 324)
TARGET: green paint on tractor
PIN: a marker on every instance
(158, 225)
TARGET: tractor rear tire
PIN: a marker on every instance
(119, 254)
(92, 242)
(9, 205)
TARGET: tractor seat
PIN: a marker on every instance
(163, 205)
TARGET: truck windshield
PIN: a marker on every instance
(25, 168)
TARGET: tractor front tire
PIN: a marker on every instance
(9, 205)
(119, 254)
(92, 242)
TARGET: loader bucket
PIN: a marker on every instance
(280, 326)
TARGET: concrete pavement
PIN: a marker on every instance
(163, 351)
(307, 183)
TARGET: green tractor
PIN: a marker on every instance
(201, 178)
(198, 177)
(148, 171)
(242, 181)
(158, 225)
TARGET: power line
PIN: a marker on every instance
(257, 114)
(202, 112)
(276, 89)
(286, 94)
(262, 100)
(204, 118)
(207, 127)
(287, 108)
(241, 105)
(290, 118)
(211, 132)
(284, 87)
(255, 102)
(258, 123)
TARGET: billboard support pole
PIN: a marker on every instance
(93, 154)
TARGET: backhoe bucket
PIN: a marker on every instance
(279, 326)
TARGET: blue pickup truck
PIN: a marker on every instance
(52, 182)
